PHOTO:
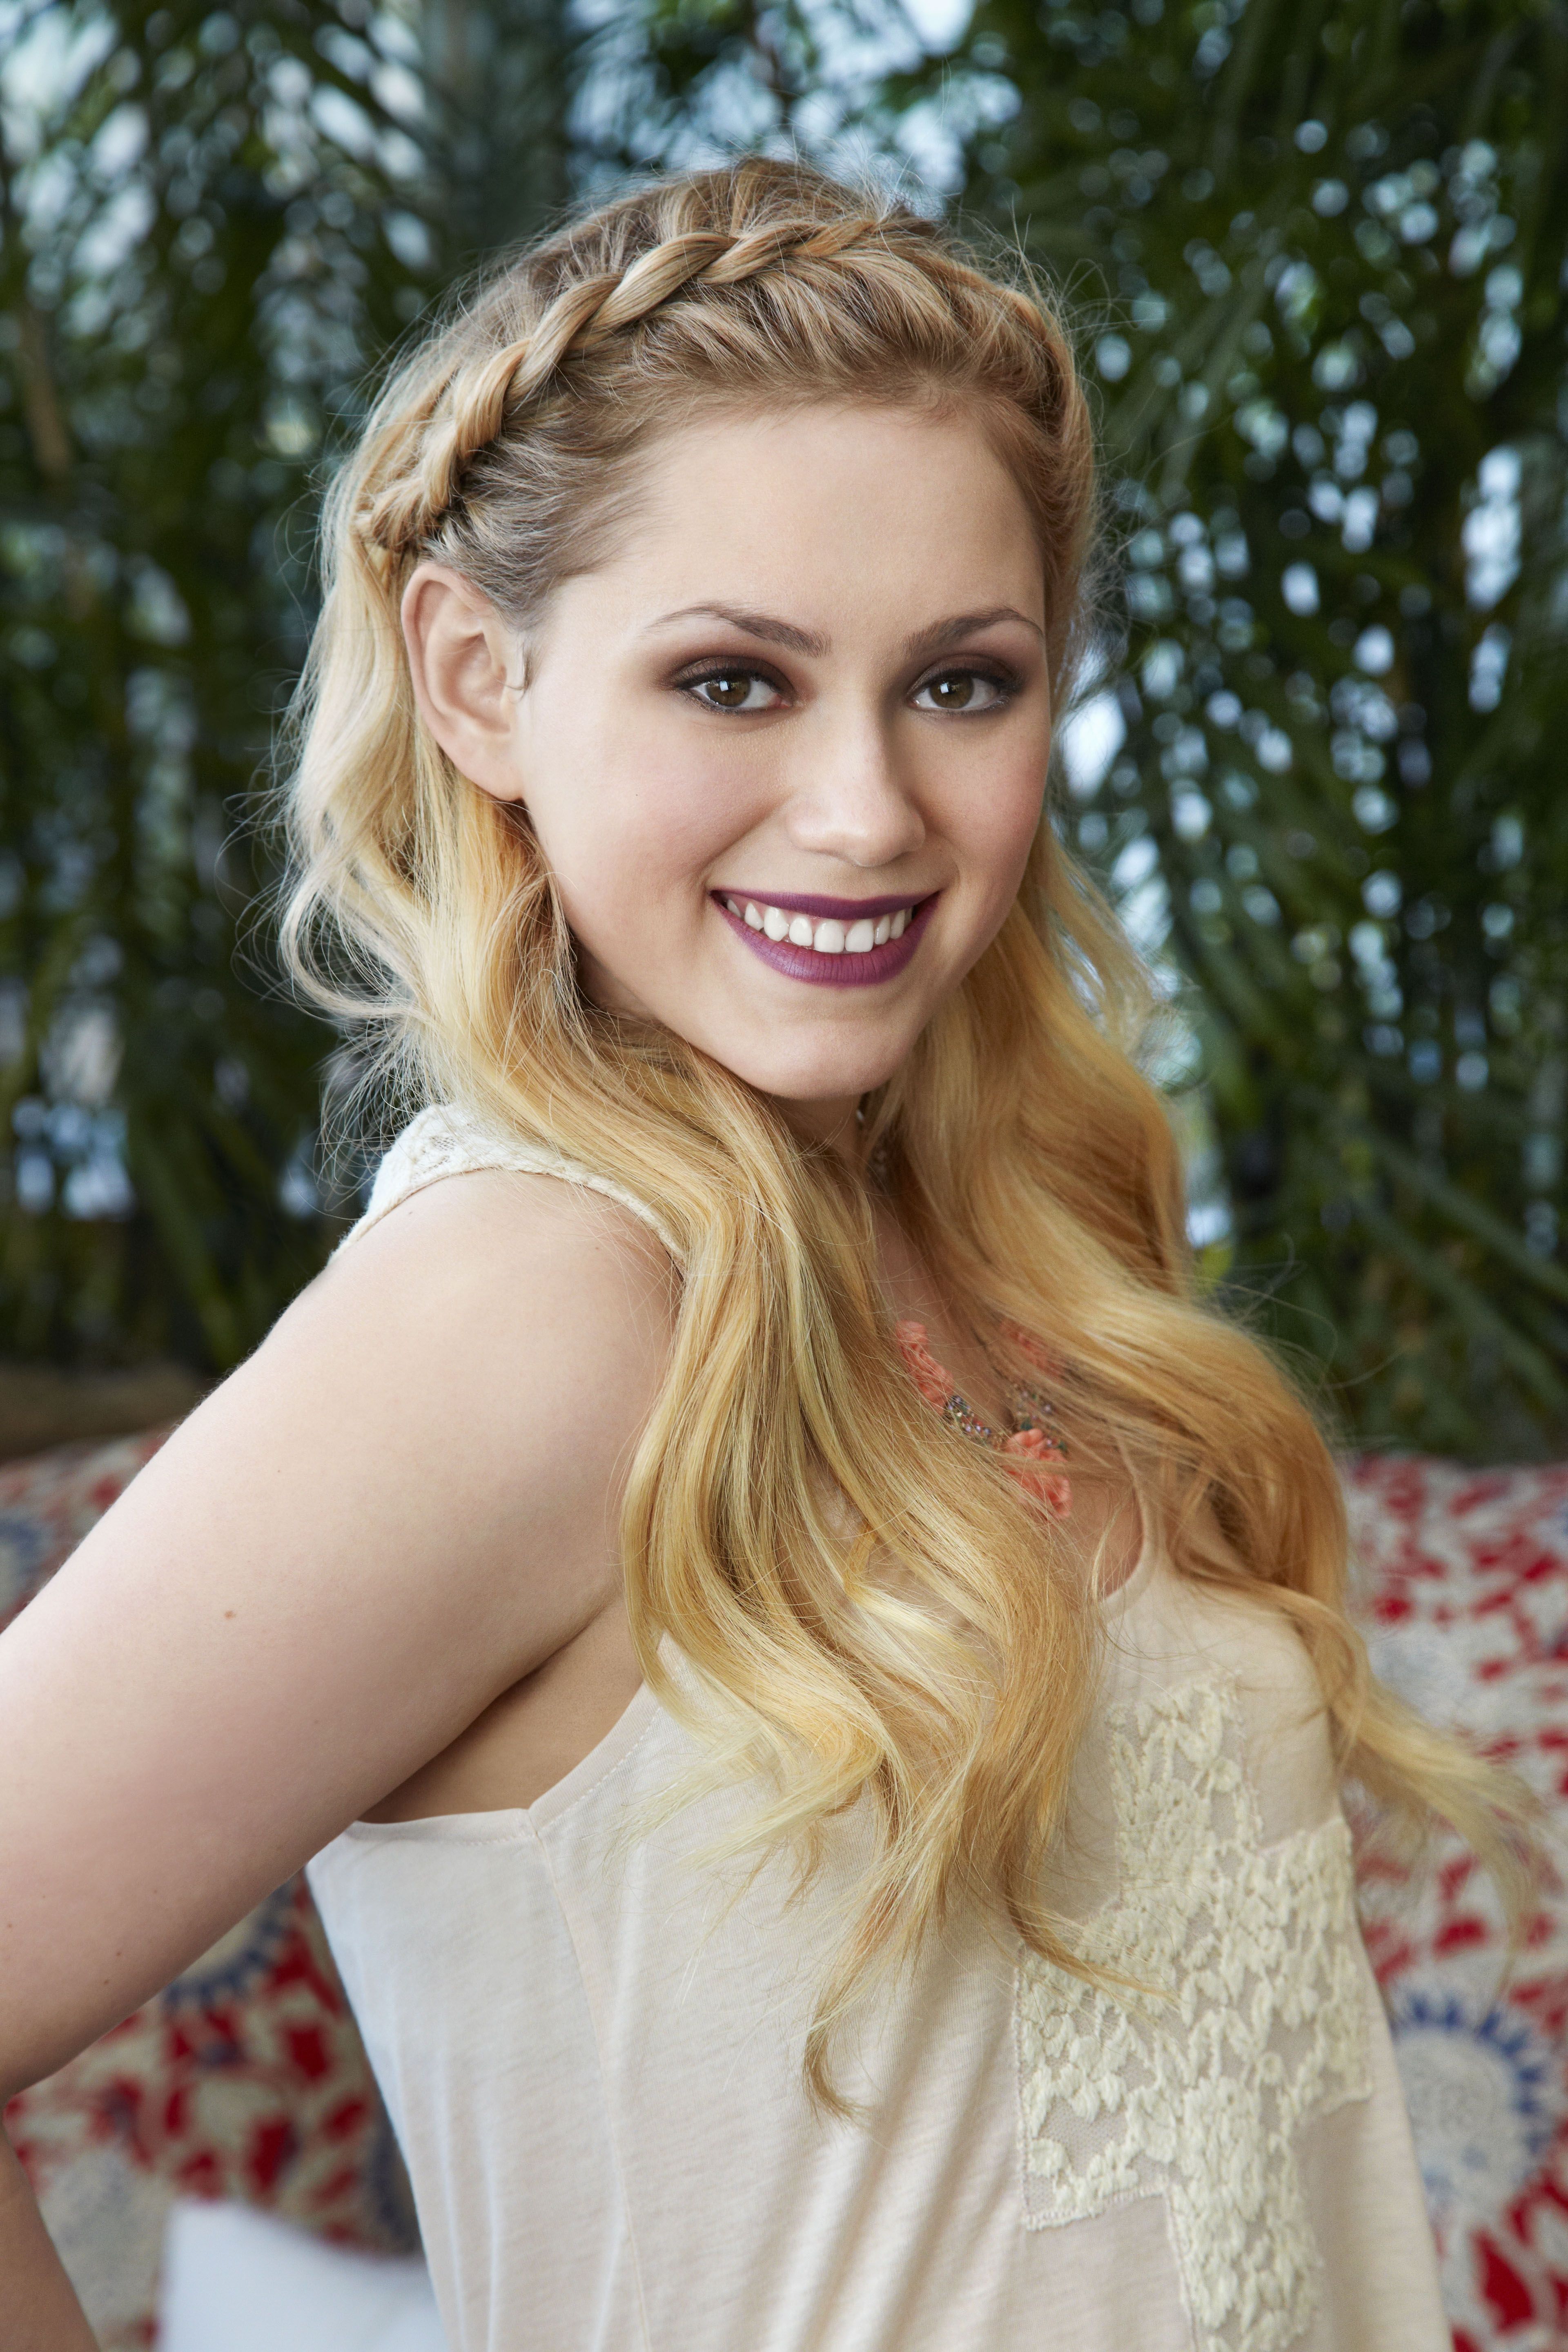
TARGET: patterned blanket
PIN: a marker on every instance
(1463, 1596)
(246, 2078)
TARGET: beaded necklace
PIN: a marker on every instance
(1031, 1449)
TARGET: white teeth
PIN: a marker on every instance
(830, 936)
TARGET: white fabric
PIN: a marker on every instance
(239, 2281)
(447, 1142)
(590, 2041)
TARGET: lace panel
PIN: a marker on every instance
(1197, 2096)
(447, 1142)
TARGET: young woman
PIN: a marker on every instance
(811, 1667)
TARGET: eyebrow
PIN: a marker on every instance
(752, 624)
(773, 632)
(942, 633)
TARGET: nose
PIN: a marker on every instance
(853, 803)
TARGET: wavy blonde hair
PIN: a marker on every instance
(870, 1607)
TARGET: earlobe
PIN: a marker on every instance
(464, 665)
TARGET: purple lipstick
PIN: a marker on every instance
(832, 942)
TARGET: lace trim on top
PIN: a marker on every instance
(447, 1142)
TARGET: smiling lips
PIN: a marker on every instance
(836, 942)
(828, 935)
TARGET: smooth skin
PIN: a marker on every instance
(376, 1573)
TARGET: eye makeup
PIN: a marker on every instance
(1004, 683)
(727, 673)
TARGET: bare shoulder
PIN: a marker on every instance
(404, 1503)
(480, 1362)
(491, 1272)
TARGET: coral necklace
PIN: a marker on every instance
(1031, 1449)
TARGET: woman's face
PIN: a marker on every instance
(785, 751)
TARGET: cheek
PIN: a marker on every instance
(994, 821)
(633, 826)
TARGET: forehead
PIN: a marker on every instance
(843, 505)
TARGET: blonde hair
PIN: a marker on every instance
(869, 1608)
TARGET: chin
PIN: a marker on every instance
(816, 1079)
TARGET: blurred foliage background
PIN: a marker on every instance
(1316, 254)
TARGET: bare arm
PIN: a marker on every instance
(404, 1502)
(42, 2313)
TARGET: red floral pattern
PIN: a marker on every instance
(1463, 1596)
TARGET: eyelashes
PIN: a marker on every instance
(955, 691)
(733, 685)
(963, 689)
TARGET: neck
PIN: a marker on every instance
(834, 1124)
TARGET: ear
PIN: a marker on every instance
(463, 658)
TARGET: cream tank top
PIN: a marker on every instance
(589, 2039)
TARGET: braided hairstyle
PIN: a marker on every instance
(764, 282)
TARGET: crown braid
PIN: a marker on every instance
(506, 443)
(468, 409)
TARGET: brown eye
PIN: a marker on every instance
(732, 689)
(969, 691)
